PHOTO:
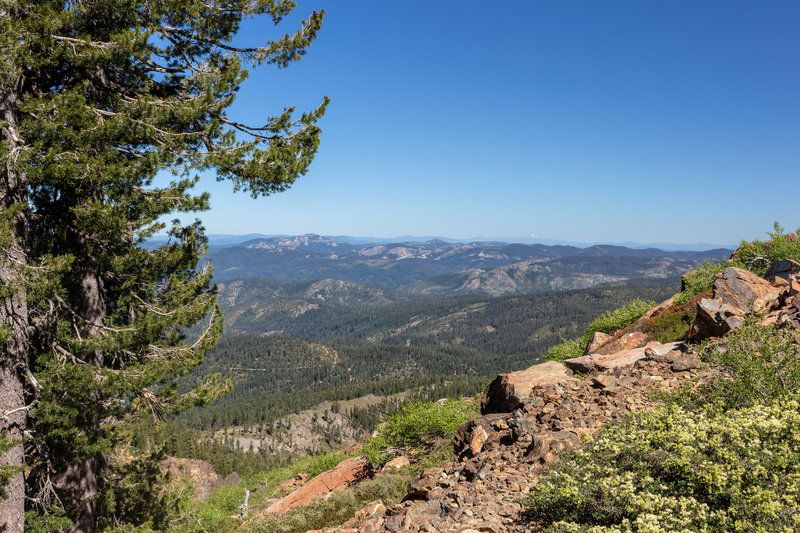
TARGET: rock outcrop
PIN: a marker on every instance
(738, 293)
(346, 473)
(499, 456)
(510, 391)
(625, 357)
(199, 473)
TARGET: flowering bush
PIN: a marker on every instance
(676, 470)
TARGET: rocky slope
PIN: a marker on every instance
(529, 415)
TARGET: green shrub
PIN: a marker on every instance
(619, 318)
(568, 349)
(340, 506)
(701, 279)
(762, 363)
(417, 425)
(675, 470)
(758, 256)
(671, 325)
(605, 323)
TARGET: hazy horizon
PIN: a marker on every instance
(237, 238)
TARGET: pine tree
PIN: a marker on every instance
(97, 97)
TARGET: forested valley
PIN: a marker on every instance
(339, 352)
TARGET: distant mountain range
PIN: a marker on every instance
(219, 239)
(437, 267)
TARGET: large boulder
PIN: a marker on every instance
(546, 444)
(603, 362)
(626, 341)
(598, 339)
(508, 392)
(716, 318)
(742, 289)
(343, 475)
(781, 271)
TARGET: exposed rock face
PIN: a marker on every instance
(715, 318)
(510, 391)
(200, 473)
(343, 475)
(781, 271)
(738, 292)
(598, 339)
(742, 289)
(481, 488)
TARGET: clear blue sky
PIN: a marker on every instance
(578, 120)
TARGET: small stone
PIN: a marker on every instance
(685, 362)
(479, 438)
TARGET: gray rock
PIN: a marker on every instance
(715, 318)
(783, 269)
(682, 363)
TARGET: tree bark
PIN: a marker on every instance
(83, 478)
(13, 311)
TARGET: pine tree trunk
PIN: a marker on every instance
(80, 483)
(84, 482)
(13, 314)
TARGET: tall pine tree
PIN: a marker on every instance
(97, 97)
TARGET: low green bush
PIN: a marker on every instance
(761, 362)
(418, 425)
(701, 279)
(758, 256)
(568, 349)
(671, 325)
(675, 470)
(605, 323)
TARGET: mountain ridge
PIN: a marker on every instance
(310, 256)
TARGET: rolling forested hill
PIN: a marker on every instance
(343, 352)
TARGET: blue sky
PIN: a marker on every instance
(577, 120)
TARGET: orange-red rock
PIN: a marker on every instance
(370, 511)
(510, 391)
(628, 341)
(589, 363)
(598, 339)
(396, 464)
(341, 476)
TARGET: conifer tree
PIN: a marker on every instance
(97, 97)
